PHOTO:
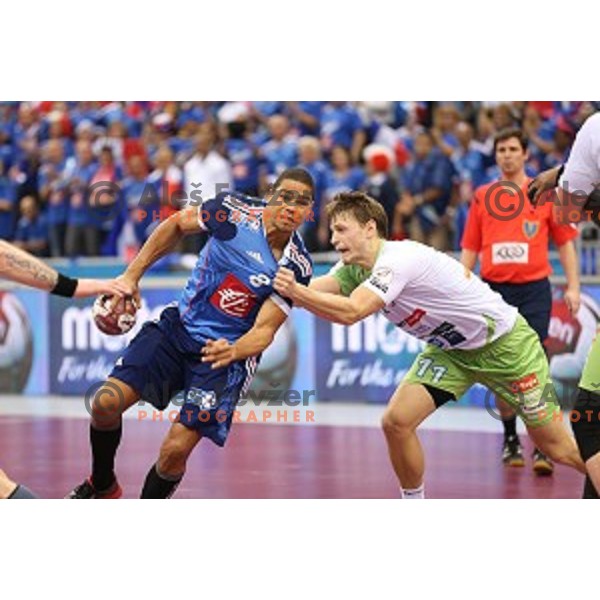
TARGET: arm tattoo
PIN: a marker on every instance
(23, 268)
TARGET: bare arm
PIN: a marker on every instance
(162, 241)
(19, 266)
(332, 307)
(568, 260)
(468, 258)
(326, 283)
(221, 353)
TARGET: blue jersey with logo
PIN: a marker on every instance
(234, 273)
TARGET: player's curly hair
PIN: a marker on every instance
(362, 207)
(296, 174)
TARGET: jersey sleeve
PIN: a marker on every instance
(389, 277)
(582, 171)
(348, 276)
(471, 239)
(561, 233)
(220, 215)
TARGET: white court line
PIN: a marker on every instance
(332, 414)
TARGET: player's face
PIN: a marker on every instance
(290, 205)
(349, 238)
(510, 156)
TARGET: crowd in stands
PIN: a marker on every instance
(95, 178)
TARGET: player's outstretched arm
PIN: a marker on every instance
(326, 283)
(332, 307)
(21, 267)
(161, 242)
(221, 353)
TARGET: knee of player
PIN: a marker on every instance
(394, 423)
(106, 407)
(172, 454)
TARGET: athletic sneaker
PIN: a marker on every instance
(542, 465)
(86, 491)
(512, 455)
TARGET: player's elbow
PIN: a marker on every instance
(350, 316)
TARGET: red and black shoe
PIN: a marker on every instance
(86, 491)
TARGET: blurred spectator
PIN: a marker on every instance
(167, 179)
(504, 116)
(281, 151)
(263, 110)
(83, 234)
(381, 185)
(428, 186)
(52, 191)
(341, 125)
(242, 154)
(469, 174)
(104, 198)
(309, 151)
(207, 173)
(306, 116)
(342, 177)
(32, 230)
(8, 204)
(57, 126)
(26, 129)
(113, 139)
(445, 120)
(6, 149)
(564, 134)
(139, 212)
(467, 160)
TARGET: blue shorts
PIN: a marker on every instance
(163, 360)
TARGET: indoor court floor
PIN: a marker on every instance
(342, 454)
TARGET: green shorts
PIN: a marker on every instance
(590, 377)
(514, 367)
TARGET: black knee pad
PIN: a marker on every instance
(585, 420)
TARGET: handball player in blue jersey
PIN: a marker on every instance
(209, 344)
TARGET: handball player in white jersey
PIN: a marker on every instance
(472, 335)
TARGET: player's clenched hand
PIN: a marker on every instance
(285, 282)
(218, 352)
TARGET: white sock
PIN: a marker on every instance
(416, 494)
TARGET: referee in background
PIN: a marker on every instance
(513, 248)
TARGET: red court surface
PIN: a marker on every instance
(51, 455)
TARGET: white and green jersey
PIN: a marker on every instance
(431, 296)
